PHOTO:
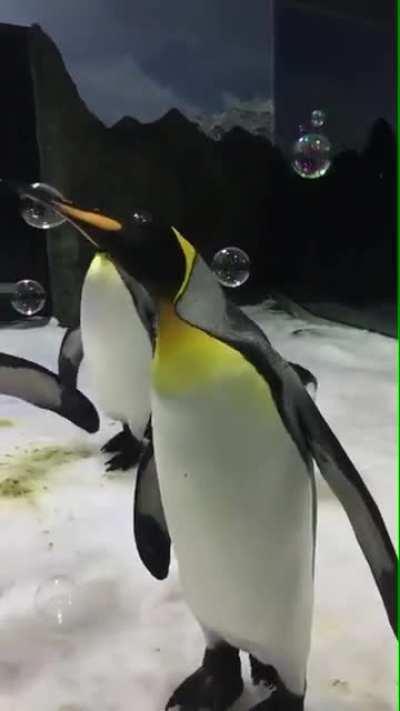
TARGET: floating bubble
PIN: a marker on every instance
(54, 601)
(318, 118)
(28, 297)
(312, 155)
(142, 217)
(302, 129)
(231, 266)
(40, 216)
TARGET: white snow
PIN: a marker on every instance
(127, 640)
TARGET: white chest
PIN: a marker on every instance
(238, 501)
(116, 345)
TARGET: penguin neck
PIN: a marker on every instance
(187, 358)
(174, 334)
(99, 263)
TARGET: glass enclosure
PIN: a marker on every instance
(197, 355)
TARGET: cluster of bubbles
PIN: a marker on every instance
(311, 156)
(311, 159)
(231, 265)
(28, 296)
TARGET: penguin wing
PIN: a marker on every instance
(308, 379)
(142, 302)
(361, 509)
(70, 356)
(33, 383)
(150, 528)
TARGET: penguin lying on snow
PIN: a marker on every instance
(235, 435)
(35, 384)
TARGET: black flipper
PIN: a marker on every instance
(361, 509)
(143, 303)
(308, 379)
(70, 357)
(150, 528)
(33, 383)
(220, 318)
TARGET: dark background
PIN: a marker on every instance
(23, 252)
(326, 241)
(341, 62)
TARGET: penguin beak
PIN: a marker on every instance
(90, 218)
(90, 222)
(145, 248)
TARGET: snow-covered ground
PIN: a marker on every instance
(125, 640)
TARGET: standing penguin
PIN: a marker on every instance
(235, 435)
(115, 337)
(106, 340)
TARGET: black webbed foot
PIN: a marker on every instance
(263, 674)
(127, 450)
(115, 444)
(281, 699)
(215, 686)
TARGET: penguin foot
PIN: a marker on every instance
(281, 700)
(215, 686)
(115, 444)
(264, 674)
(128, 450)
(123, 460)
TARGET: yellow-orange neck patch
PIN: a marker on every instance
(187, 358)
(190, 255)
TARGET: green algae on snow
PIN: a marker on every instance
(5, 422)
(25, 474)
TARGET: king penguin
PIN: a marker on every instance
(115, 338)
(235, 436)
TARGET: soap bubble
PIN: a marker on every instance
(54, 601)
(28, 297)
(318, 118)
(231, 266)
(312, 155)
(142, 217)
(302, 129)
(37, 215)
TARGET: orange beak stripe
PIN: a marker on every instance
(90, 218)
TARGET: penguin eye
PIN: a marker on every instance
(142, 217)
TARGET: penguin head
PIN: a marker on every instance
(145, 247)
